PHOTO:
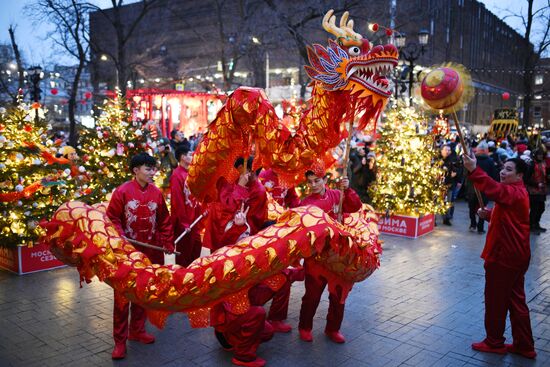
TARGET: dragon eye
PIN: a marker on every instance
(354, 51)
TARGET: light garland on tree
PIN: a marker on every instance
(410, 177)
(31, 186)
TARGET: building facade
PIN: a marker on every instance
(192, 44)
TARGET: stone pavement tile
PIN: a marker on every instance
(426, 358)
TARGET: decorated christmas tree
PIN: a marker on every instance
(33, 183)
(107, 149)
(410, 174)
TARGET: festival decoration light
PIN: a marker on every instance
(410, 175)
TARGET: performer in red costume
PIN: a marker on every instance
(246, 196)
(328, 200)
(507, 254)
(185, 209)
(137, 209)
(287, 198)
(241, 210)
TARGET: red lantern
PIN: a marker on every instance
(83, 101)
(54, 91)
(505, 96)
(374, 27)
(35, 106)
(27, 128)
(389, 32)
(20, 92)
(88, 95)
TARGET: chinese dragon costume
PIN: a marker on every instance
(348, 81)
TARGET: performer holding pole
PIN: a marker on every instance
(139, 212)
(186, 210)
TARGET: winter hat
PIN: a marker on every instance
(482, 146)
(521, 148)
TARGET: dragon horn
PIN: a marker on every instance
(329, 24)
(344, 34)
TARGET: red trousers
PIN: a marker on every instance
(504, 291)
(246, 332)
(121, 310)
(314, 289)
(190, 247)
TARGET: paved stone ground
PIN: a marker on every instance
(423, 307)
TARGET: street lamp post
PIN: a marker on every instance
(35, 75)
(411, 52)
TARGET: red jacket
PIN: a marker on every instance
(185, 208)
(220, 229)
(287, 198)
(507, 240)
(141, 214)
(331, 199)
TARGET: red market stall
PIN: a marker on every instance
(189, 112)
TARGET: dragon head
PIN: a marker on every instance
(352, 63)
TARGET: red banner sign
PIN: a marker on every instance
(24, 260)
(406, 226)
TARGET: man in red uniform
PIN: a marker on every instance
(138, 211)
(328, 200)
(507, 255)
(185, 209)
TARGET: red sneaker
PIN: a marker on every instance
(258, 362)
(280, 326)
(119, 352)
(143, 338)
(527, 354)
(484, 347)
(335, 336)
(305, 335)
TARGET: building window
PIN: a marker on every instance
(539, 79)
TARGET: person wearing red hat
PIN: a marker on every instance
(328, 200)
(507, 254)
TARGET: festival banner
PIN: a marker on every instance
(406, 226)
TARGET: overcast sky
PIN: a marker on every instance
(37, 50)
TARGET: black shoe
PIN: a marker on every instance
(472, 229)
(447, 222)
(541, 229)
(481, 232)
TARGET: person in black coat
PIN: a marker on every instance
(453, 179)
(485, 162)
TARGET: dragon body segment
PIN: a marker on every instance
(81, 235)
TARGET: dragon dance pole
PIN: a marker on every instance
(188, 229)
(465, 151)
(346, 162)
(134, 242)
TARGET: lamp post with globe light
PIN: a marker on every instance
(35, 75)
(411, 52)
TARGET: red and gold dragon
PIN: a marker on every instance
(348, 83)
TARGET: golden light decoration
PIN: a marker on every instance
(410, 175)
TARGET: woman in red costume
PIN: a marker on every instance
(328, 200)
(138, 211)
(507, 254)
(185, 209)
